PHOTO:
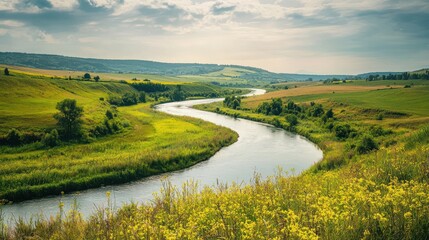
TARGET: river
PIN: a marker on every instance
(260, 148)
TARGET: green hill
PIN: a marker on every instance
(143, 142)
(200, 72)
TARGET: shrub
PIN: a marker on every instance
(366, 145)
(380, 116)
(292, 119)
(13, 137)
(233, 102)
(316, 110)
(329, 113)
(51, 139)
(342, 131)
(276, 123)
(109, 114)
(30, 137)
(142, 97)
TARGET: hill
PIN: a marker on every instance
(125, 145)
(56, 62)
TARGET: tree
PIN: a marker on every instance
(178, 94)
(292, 119)
(97, 78)
(69, 118)
(6, 71)
(142, 97)
(87, 76)
(276, 106)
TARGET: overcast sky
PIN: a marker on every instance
(296, 36)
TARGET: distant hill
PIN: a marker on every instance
(57, 62)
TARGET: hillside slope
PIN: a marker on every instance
(56, 62)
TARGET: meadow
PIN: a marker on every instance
(146, 145)
(380, 192)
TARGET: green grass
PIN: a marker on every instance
(383, 194)
(149, 146)
(28, 102)
(413, 100)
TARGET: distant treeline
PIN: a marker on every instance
(150, 87)
(402, 76)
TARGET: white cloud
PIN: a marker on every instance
(11, 23)
(64, 4)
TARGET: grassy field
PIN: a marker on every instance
(226, 76)
(381, 193)
(28, 102)
(149, 145)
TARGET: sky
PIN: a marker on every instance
(289, 36)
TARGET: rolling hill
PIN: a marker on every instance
(57, 62)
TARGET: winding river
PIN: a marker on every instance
(260, 149)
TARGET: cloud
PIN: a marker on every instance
(11, 23)
(265, 33)
(218, 8)
(64, 5)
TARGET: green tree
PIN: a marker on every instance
(6, 72)
(87, 76)
(178, 94)
(97, 78)
(292, 119)
(276, 106)
(142, 97)
(69, 118)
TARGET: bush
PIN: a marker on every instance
(329, 113)
(316, 110)
(366, 145)
(109, 114)
(51, 139)
(342, 131)
(233, 102)
(292, 119)
(30, 137)
(13, 137)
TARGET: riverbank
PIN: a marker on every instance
(379, 194)
(231, 164)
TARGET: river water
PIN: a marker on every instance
(260, 148)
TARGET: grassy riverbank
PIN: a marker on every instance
(145, 142)
(379, 193)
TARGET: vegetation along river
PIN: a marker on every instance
(260, 149)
